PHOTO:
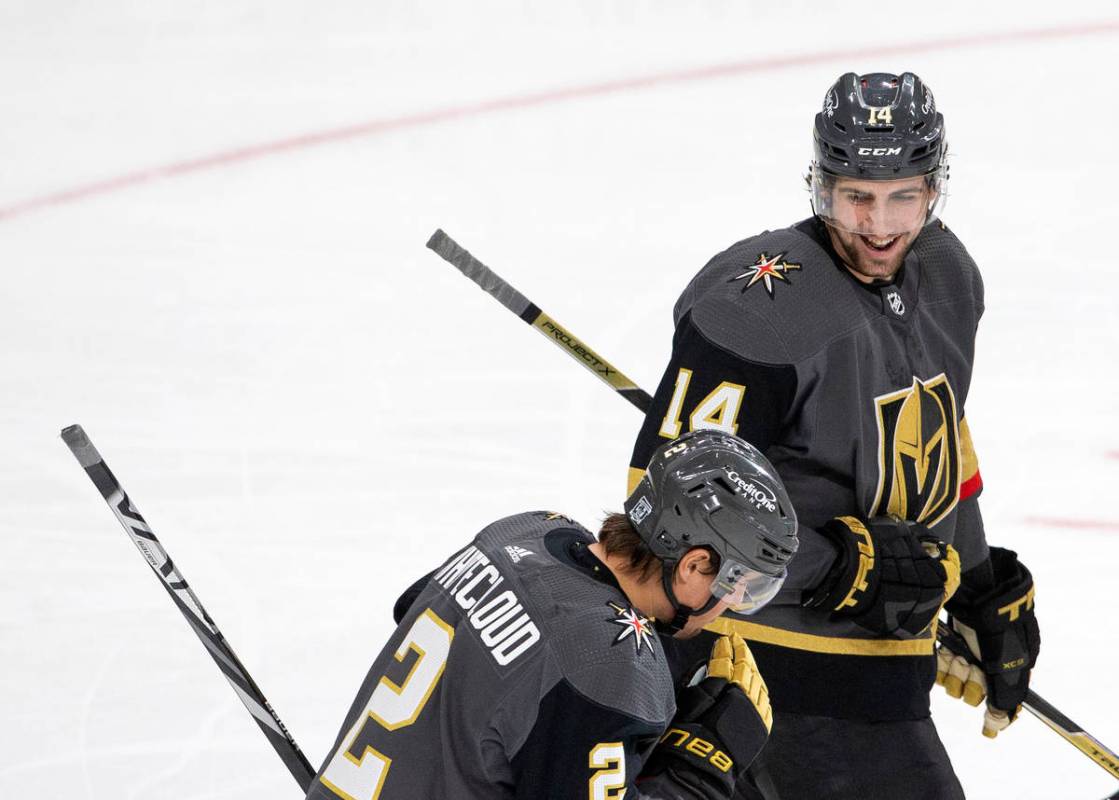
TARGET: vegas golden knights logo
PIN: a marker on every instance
(918, 452)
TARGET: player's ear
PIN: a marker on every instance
(695, 561)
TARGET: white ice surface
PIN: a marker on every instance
(311, 408)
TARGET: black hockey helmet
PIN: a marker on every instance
(879, 127)
(712, 489)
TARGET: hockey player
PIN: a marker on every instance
(842, 348)
(527, 665)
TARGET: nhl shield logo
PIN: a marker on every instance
(896, 305)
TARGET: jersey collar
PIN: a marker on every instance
(894, 299)
(570, 547)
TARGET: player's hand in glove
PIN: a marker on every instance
(891, 576)
(962, 678)
(1000, 629)
(721, 724)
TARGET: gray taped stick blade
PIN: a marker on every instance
(437, 240)
(453, 253)
(80, 445)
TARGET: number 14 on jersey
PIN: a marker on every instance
(717, 411)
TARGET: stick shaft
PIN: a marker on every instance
(496, 286)
(187, 602)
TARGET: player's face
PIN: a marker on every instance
(873, 223)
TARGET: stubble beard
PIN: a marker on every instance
(865, 264)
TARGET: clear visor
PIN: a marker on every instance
(876, 208)
(744, 588)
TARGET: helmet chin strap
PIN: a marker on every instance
(682, 612)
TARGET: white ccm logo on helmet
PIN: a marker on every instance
(879, 151)
(761, 498)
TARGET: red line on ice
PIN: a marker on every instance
(373, 127)
(1078, 524)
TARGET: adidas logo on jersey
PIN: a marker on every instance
(517, 553)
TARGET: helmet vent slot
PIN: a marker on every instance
(919, 153)
(724, 484)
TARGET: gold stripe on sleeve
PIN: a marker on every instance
(969, 463)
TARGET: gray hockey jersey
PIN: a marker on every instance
(519, 671)
(856, 393)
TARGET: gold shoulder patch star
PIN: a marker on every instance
(766, 270)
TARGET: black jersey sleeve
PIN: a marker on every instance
(708, 386)
(580, 748)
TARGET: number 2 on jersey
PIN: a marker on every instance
(610, 758)
(362, 776)
(717, 411)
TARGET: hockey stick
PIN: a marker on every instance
(1042, 709)
(450, 250)
(157, 558)
(520, 305)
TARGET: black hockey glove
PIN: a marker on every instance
(891, 576)
(721, 724)
(1001, 629)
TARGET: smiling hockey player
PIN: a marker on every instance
(842, 348)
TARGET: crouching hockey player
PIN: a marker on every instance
(527, 665)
